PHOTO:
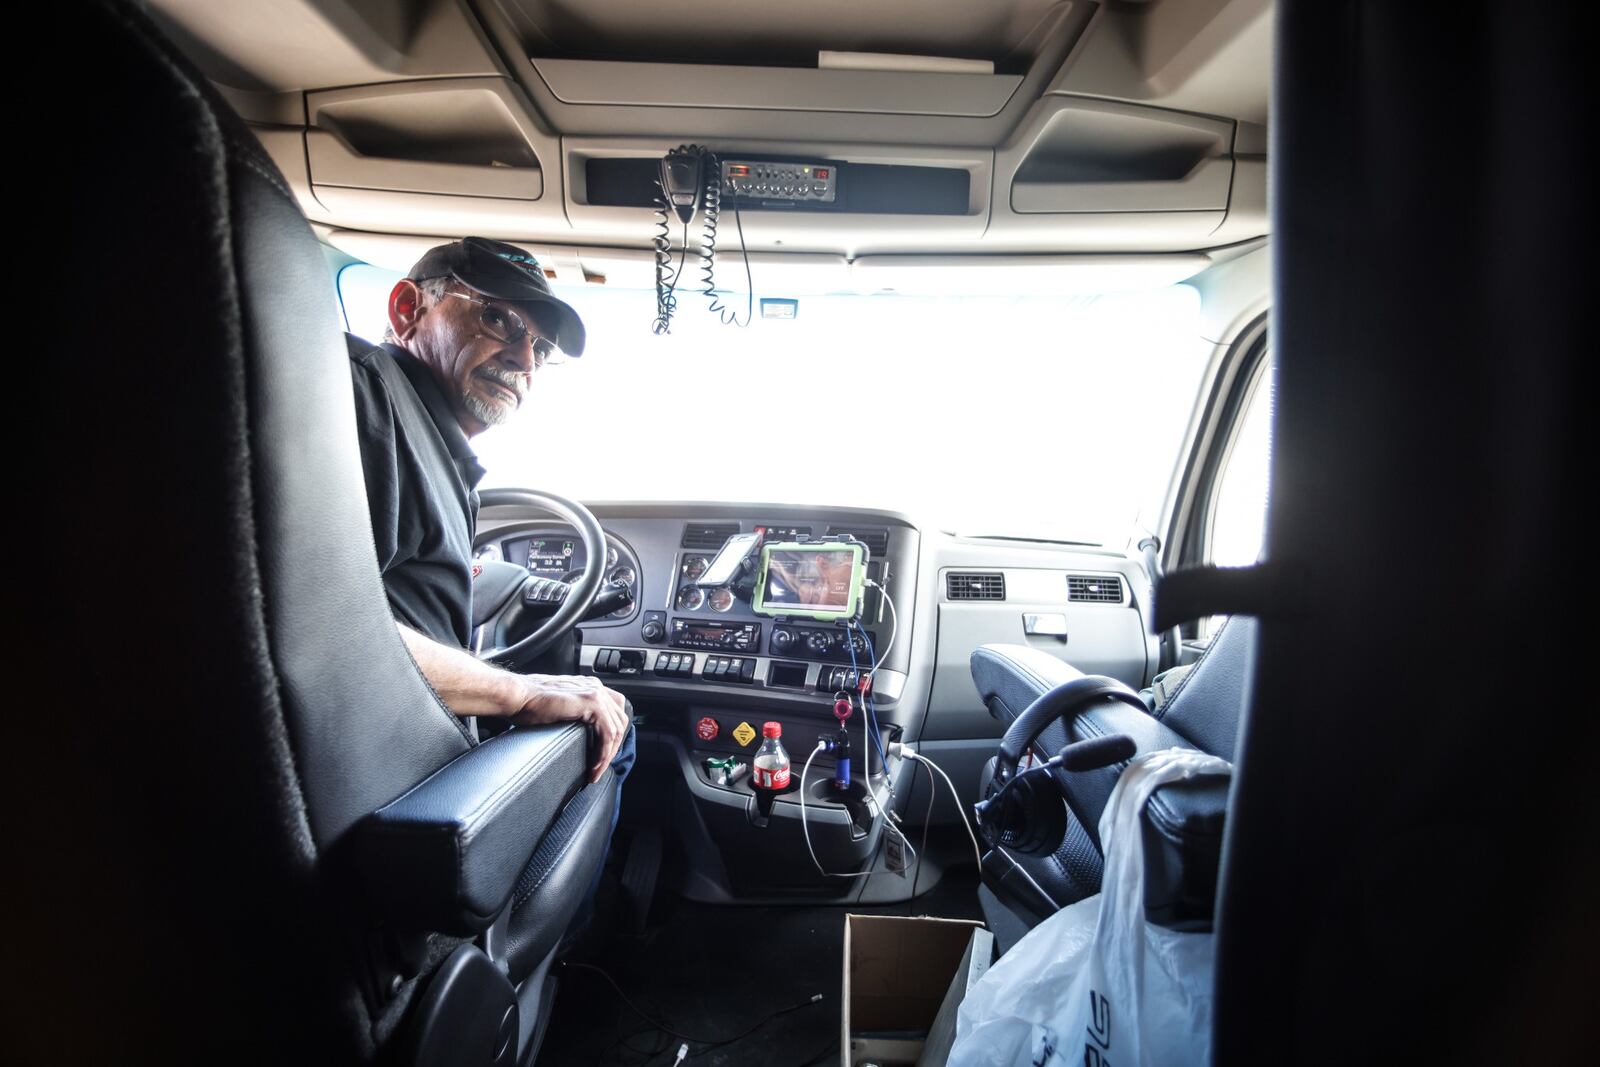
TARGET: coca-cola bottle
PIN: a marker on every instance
(770, 768)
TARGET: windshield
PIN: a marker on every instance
(1055, 418)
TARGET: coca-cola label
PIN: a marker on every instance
(770, 777)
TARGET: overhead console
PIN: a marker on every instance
(1014, 128)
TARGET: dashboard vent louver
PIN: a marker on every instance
(975, 586)
(1094, 588)
(876, 538)
(708, 535)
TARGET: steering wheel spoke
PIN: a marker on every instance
(563, 605)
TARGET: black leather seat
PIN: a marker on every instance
(1203, 712)
(291, 843)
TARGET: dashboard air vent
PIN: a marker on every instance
(966, 586)
(876, 538)
(1094, 588)
(708, 536)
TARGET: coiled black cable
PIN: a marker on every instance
(667, 288)
(712, 168)
(666, 298)
(708, 248)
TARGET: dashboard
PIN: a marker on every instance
(704, 671)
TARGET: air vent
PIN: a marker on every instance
(1094, 588)
(708, 535)
(975, 586)
(876, 538)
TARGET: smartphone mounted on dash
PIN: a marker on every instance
(725, 566)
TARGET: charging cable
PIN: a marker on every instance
(880, 812)
(894, 625)
(904, 752)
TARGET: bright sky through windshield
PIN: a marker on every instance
(1027, 416)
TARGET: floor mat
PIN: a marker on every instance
(714, 973)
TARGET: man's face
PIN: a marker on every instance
(485, 379)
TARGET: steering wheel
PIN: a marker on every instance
(502, 595)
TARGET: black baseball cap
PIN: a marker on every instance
(503, 272)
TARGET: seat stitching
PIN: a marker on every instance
(1183, 683)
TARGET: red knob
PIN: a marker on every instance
(707, 729)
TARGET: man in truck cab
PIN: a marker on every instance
(469, 328)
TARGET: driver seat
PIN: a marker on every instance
(274, 843)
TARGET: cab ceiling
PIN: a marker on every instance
(1105, 128)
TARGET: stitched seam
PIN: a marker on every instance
(507, 793)
(1183, 683)
(253, 164)
(555, 861)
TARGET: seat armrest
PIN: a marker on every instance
(1010, 677)
(1182, 835)
(1181, 825)
(445, 856)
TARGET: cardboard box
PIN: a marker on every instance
(898, 973)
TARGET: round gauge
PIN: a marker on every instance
(611, 555)
(691, 598)
(490, 551)
(721, 598)
(695, 566)
(622, 576)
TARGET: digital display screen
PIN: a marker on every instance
(811, 580)
(548, 557)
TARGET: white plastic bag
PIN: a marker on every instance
(1095, 984)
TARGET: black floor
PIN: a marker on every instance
(714, 973)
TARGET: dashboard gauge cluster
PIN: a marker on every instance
(690, 597)
(558, 553)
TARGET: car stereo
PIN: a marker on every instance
(715, 636)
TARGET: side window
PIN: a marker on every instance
(1238, 522)
(364, 296)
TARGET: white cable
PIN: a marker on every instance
(894, 628)
(805, 826)
(907, 753)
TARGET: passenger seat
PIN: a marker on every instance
(1203, 711)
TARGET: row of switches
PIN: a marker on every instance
(726, 669)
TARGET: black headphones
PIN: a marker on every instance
(1025, 812)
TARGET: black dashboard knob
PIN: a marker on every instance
(781, 640)
(817, 641)
(653, 631)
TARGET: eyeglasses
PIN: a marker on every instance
(506, 326)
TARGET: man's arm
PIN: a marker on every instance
(468, 686)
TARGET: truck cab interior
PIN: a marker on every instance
(1199, 373)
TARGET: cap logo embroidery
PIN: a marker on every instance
(527, 263)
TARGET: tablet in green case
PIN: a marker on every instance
(821, 581)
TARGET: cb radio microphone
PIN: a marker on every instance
(681, 183)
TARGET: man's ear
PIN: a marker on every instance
(405, 307)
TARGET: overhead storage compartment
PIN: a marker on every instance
(448, 137)
(1097, 155)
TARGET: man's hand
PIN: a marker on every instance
(566, 698)
(471, 687)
